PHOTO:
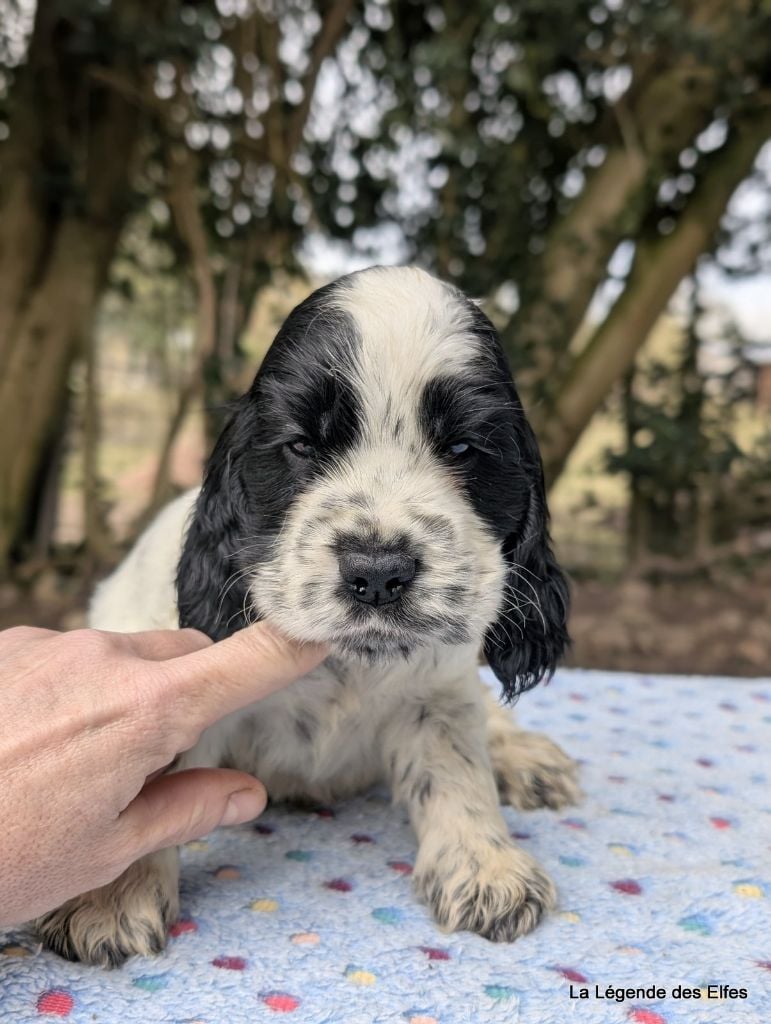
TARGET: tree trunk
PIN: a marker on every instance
(185, 205)
(636, 537)
(96, 529)
(45, 342)
(659, 266)
(64, 194)
(239, 287)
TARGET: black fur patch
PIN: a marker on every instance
(253, 477)
(503, 477)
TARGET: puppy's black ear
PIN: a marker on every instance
(211, 587)
(530, 634)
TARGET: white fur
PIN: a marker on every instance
(416, 329)
(141, 593)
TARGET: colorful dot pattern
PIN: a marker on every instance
(664, 875)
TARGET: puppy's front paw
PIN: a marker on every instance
(128, 917)
(498, 891)
(531, 771)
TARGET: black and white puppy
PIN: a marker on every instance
(378, 489)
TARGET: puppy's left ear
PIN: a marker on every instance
(530, 634)
(211, 587)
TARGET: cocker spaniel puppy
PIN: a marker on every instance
(378, 489)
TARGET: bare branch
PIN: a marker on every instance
(324, 45)
(185, 207)
(659, 266)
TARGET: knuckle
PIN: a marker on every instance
(25, 634)
(199, 819)
(195, 634)
(179, 824)
(91, 641)
(149, 684)
(155, 689)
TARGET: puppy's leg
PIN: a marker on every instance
(529, 769)
(127, 917)
(468, 870)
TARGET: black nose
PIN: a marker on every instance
(377, 578)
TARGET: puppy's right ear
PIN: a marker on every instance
(211, 585)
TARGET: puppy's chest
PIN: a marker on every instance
(322, 729)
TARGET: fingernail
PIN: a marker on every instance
(243, 805)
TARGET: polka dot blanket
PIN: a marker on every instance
(664, 876)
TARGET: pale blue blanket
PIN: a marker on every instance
(664, 875)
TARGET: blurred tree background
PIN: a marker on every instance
(176, 174)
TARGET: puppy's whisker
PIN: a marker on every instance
(505, 617)
(536, 601)
(228, 586)
(523, 568)
(527, 603)
(258, 541)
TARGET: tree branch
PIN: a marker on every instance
(324, 45)
(185, 207)
(658, 117)
(658, 268)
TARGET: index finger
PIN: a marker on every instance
(245, 667)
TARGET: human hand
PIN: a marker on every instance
(89, 719)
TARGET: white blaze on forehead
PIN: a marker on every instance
(413, 329)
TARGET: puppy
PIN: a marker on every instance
(380, 490)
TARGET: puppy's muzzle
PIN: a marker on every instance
(377, 577)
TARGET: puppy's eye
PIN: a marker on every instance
(302, 447)
(458, 448)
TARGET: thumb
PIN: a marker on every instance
(176, 808)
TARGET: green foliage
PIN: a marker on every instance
(494, 114)
(691, 482)
(485, 111)
(469, 129)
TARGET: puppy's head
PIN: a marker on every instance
(380, 489)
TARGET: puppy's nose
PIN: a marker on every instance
(377, 577)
